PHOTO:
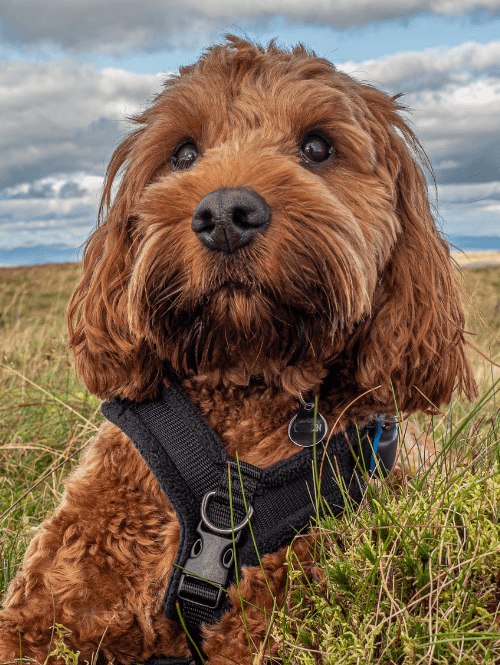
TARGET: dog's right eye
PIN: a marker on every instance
(185, 156)
(316, 149)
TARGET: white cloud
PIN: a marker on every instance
(455, 98)
(477, 193)
(59, 209)
(470, 209)
(62, 117)
(429, 68)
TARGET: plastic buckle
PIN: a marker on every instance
(383, 433)
(209, 565)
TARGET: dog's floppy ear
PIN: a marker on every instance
(109, 359)
(415, 336)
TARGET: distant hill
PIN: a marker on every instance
(38, 254)
(475, 243)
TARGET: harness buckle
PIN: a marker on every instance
(206, 572)
(383, 433)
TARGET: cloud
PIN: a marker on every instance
(472, 209)
(483, 193)
(56, 187)
(124, 25)
(431, 69)
(62, 116)
(60, 209)
(455, 98)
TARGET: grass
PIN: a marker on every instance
(412, 576)
(42, 406)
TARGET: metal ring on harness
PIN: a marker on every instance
(217, 529)
(308, 405)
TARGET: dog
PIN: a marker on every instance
(270, 239)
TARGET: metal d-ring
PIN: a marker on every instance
(211, 526)
(308, 405)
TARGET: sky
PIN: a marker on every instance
(71, 71)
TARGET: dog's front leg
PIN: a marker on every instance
(99, 566)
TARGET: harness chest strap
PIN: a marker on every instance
(194, 471)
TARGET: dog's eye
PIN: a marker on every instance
(185, 156)
(316, 149)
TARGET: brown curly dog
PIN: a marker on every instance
(271, 234)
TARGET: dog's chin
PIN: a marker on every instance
(239, 331)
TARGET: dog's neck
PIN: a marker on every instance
(249, 420)
(253, 420)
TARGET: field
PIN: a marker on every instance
(413, 577)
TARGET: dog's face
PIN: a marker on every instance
(271, 221)
(268, 208)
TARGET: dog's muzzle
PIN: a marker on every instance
(227, 219)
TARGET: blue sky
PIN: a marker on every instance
(69, 73)
(374, 40)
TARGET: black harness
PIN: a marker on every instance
(230, 512)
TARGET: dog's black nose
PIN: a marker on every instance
(227, 219)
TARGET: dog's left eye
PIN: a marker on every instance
(185, 156)
(315, 148)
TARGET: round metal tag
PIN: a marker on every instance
(302, 427)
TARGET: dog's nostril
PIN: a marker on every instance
(240, 218)
(228, 219)
(207, 219)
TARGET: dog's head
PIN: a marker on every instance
(271, 220)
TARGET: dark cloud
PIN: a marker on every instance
(477, 165)
(64, 117)
(125, 25)
(98, 25)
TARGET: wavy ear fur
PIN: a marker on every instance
(415, 336)
(108, 357)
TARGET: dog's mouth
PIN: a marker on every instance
(234, 311)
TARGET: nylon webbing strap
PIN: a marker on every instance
(193, 446)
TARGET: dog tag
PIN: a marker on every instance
(302, 427)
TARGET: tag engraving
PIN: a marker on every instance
(302, 427)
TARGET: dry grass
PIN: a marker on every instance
(477, 259)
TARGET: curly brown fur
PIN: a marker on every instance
(351, 285)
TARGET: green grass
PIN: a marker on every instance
(412, 576)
